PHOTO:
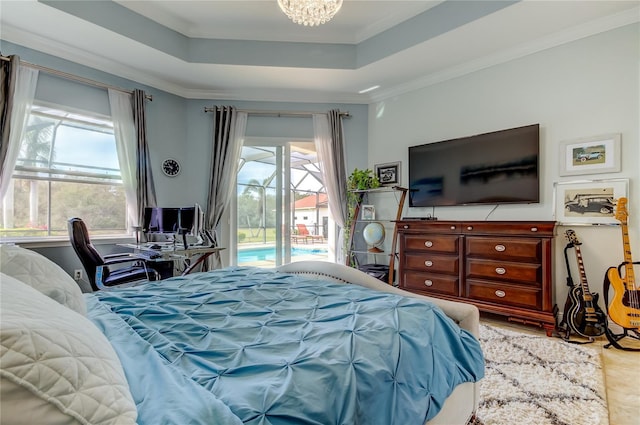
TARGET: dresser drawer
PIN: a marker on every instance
(431, 263)
(431, 243)
(429, 226)
(529, 250)
(520, 228)
(527, 273)
(516, 296)
(429, 282)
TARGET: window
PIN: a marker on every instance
(275, 180)
(67, 167)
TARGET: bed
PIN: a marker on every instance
(304, 343)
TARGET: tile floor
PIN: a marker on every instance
(621, 373)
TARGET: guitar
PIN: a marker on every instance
(582, 313)
(624, 308)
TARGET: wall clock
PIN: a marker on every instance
(170, 167)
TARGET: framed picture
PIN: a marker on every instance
(368, 212)
(599, 154)
(388, 174)
(588, 201)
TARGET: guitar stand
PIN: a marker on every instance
(614, 338)
(563, 329)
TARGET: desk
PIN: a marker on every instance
(177, 253)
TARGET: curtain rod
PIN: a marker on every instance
(266, 113)
(74, 77)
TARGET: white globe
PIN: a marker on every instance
(373, 233)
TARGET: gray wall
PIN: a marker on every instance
(585, 88)
(179, 128)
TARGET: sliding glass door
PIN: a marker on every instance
(281, 204)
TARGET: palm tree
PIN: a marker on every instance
(255, 187)
(37, 147)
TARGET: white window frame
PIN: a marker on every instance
(112, 177)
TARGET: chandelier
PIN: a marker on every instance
(310, 12)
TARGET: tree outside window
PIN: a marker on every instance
(67, 167)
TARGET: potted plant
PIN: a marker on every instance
(362, 180)
(357, 181)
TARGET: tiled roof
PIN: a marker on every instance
(310, 201)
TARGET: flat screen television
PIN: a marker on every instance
(490, 168)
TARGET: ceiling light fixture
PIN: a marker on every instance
(372, 88)
(310, 12)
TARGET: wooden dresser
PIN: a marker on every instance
(502, 267)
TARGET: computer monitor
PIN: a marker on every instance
(160, 220)
(174, 220)
(198, 222)
(186, 220)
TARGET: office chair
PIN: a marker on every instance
(93, 262)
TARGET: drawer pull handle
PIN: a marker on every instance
(428, 244)
(453, 227)
(534, 229)
(406, 226)
(428, 263)
(428, 282)
(501, 270)
(469, 227)
(500, 248)
(500, 294)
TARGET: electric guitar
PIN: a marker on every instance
(624, 308)
(582, 313)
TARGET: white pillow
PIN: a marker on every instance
(42, 274)
(56, 365)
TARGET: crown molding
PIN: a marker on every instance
(276, 95)
(122, 70)
(99, 63)
(598, 26)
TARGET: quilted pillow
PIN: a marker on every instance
(42, 274)
(57, 367)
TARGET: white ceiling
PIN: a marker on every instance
(398, 45)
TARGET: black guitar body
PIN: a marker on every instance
(584, 318)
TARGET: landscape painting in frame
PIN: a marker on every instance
(588, 202)
(599, 154)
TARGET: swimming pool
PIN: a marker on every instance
(250, 255)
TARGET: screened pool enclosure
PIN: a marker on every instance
(280, 198)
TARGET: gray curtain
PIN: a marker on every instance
(146, 191)
(17, 90)
(329, 140)
(8, 75)
(339, 162)
(228, 133)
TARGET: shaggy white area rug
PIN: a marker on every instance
(539, 380)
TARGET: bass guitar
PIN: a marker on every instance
(624, 308)
(582, 313)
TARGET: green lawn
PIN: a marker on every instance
(256, 236)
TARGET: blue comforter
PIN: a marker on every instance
(253, 346)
